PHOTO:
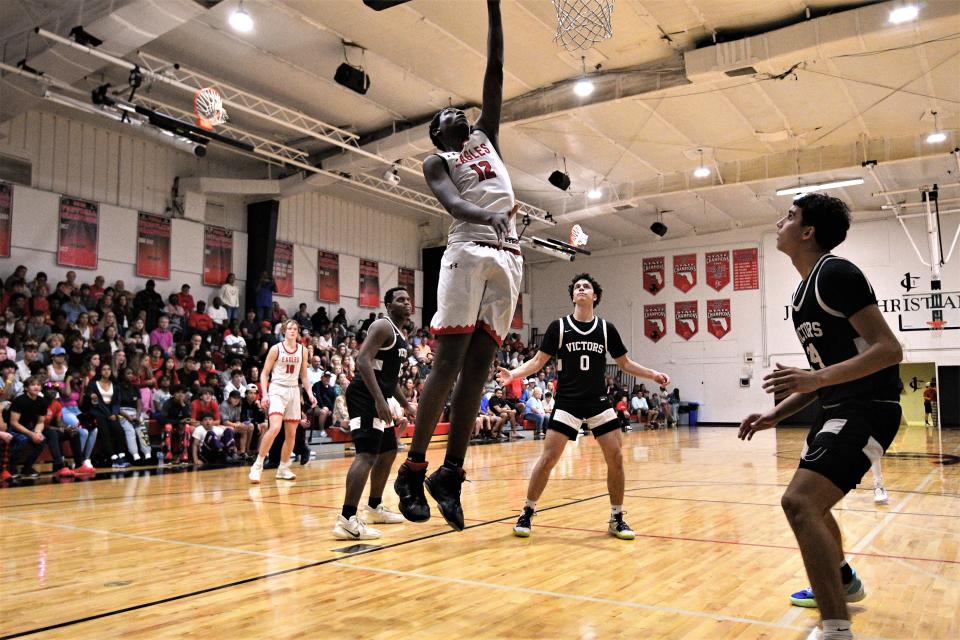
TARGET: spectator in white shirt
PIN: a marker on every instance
(315, 370)
(230, 297)
(218, 313)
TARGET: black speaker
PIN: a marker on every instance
(659, 228)
(352, 78)
(560, 180)
(262, 220)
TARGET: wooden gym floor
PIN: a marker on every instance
(188, 555)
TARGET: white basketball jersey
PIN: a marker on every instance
(286, 370)
(481, 178)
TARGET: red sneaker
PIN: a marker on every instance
(65, 472)
(85, 470)
(5, 475)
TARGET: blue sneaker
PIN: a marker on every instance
(854, 593)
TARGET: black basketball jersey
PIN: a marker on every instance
(386, 367)
(835, 290)
(581, 351)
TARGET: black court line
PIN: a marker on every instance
(236, 583)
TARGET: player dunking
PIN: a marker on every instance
(853, 356)
(580, 343)
(479, 283)
(286, 363)
(381, 355)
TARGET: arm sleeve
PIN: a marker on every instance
(551, 339)
(614, 342)
(842, 288)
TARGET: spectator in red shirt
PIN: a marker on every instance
(185, 300)
(199, 322)
(206, 403)
(96, 291)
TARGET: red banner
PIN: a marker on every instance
(369, 284)
(686, 319)
(153, 246)
(217, 255)
(654, 321)
(328, 277)
(407, 279)
(718, 317)
(79, 233)
(653, 274)
(283, 268)
(718, 268)
(517, 321)
(746, 271)
(685, 271)
(6, 218)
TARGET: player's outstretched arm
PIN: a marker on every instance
(529, 367)
(489, 120)
(378, 336)
(760, 421)
(435, 172)
(633, 368)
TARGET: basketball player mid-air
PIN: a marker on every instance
(286, 364)
(580, 343)
(853, 355)
(480, 277)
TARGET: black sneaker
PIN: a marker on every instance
(29, 473)
(523, 526)
(305, 457)
(618, 528)
(444, 485)
(409, 488)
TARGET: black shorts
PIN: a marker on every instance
(927, 406)
(848, 438)
(599, 417)
(368, 438)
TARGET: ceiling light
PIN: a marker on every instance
(904, 14)
(583, 86)
(820, 186)
(701, 171)
(241, 21)
(936, 136)
(595, 194)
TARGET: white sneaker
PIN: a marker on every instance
(353, 529)
(383, 515)
(323, 433)
(880, 495)
(284, 473)
(255, 472)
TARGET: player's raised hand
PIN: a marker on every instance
(786, 380)
(504, 376)
(755, 422)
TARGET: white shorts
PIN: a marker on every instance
(285, 401)
(199, 432)
(478, 289)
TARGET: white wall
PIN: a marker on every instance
(708, 370)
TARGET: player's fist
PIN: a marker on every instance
(504, 376)
(265, 403)
(661, 378)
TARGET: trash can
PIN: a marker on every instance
(683, 414)
(694, 408)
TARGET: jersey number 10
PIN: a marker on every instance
(484, 170)
(290, 368)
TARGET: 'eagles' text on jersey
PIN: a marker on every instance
(822, 305)
(481, 178)
(581, 351)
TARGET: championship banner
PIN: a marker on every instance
(153, 246)
(369, 284)
(328, 277)
(79, 233)
(283, 268)
(407, 279)
(6, 217)
(654, 320)
(217, 255)
(686, 319)
(517, 321)
(718, 317)
(746, 270)
(718, 268)
(653, 274)
(685, 271)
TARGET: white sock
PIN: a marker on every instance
(837, 630)
(877, 474)
(87, 463)
(136, 457)
(616, 509)
(531, 504)
(259, 461)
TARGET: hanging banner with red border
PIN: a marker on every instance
(217, 255)
(685, 271)
(79, 233)
(517, 321)
(655, 321)
(653, 274)
(6, 218)
(153, 246)
(746, 269)
(369, 284)
(686, 319)
(407, 279)
(328, 277)
(718, 317)
(717, 264)
(283, 268)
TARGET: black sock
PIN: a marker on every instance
(374, 502)
(413, 456)
(348, 511)
(452, 462)
(846, 573)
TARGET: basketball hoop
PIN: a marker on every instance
(577, 237)
(936, 327)
(583, 23)
(208, 106)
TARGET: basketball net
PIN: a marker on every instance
(936, 327)
(208, 107)
(583, 23)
